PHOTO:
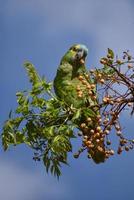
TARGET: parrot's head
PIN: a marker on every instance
(76, 54)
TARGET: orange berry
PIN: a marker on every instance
(102, 81)
(86, 75)
(91, 71)
(88, 86)
(78, 88)
(97, 134)
(105, 100)
(93, 86)
(98, 128)
(84, 82)
(100, 148)
(80, 95)
(98, 116)
(90, 93)
(129, 66)
(94, 97)
(92, 131)
(130, 104)
(112, 152)
(85, 137)
(88, 119)
(80, 77)
(119, 62)
(83, 125)
(97, 140)
(106, 132)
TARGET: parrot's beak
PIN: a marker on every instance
(81, 56)
(82, 61)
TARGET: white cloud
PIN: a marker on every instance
(19, 183)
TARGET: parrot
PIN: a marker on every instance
(73, 85)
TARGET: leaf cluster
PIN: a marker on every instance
(41, 122)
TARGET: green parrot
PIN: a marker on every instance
(74, 86)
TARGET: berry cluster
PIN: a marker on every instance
(111, 90)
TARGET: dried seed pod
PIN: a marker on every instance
(102, 139)
(119, 151)
(76, 155)
(100, 149)
(133, 141)
(91, 71)
(122, 142)
(88, 156)
(131, 146)
(109, 127)
(119, 62)
(79, 133)
(108, 142)
(106, 120)
(117, 127)
(127, 148)
(99, 121)
(112, 152)
(85, 137)
(118, 133)
(91, 146)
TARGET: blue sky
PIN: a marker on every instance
(41, 31)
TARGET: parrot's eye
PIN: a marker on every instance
(74, 48)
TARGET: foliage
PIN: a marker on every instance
(46, 124)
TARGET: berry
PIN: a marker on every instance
(126, 148)
(83, 125)
(80, 77)
(88, 119)
(102, 81)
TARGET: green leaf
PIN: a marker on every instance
(32, 73)
(61, 143)
(89, 112)
(111, 53)
(76, 114)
